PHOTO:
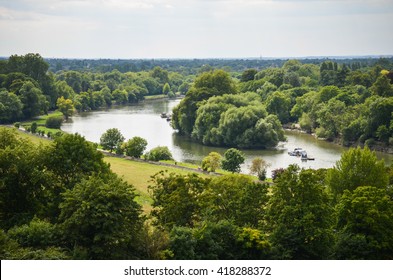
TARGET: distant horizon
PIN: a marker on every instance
(219, 58)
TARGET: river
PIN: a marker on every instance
(144, 120)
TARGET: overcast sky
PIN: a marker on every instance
(195, 28)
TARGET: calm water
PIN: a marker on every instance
(144, 120)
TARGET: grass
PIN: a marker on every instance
(139, 174)
(194, 166)
(33, 138)
(41, 120)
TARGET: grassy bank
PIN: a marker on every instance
(135, 173)
(41, 120)
(139, 175)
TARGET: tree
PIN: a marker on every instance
(135, 147)
(30, 64)
(111, 139)
(176, 198)
(37, 233)
(237, 198)
(258, 167)
(248, 75)
(206, 85)
(33, 100)
(101, 219)
(211, 162)
(233, 158)
(72, 158)
(279, 104)
(159, 153)
(365, 224)
(357, 167)
(10, 107)
(224, 240)
(305, 122)
(166, 89)
(23, 180)
(382, 87)
(65, 106)
(300, 216)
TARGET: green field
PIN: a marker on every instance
(139, 174)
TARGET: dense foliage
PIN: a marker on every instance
(233, 217)
(62, 201)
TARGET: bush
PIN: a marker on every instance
(159, 153)
(211, 162)
(33, 127)
(54, 122)
(17, 124)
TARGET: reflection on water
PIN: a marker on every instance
(144, 120)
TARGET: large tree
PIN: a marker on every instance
(10, 107)
(365, 224)
(176, 199)
(34, 102)
(233, 158)
(205, 86)
(300, 216)
(101, 219)
(22, 180)
(111, 139)
(357, 167)
(135, 147)
(65, 106)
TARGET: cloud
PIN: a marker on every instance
(189, 28)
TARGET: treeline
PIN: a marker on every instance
(62, 201)
(191, 66)
(350, 104)
(28, 88)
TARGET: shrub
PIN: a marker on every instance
(33, 127)
(17, 124)
(211, 162)
(54, 122)
(159, 153)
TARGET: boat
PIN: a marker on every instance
(296, 152)
(303, 155)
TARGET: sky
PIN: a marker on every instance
(131, 29)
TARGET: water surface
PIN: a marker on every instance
(144, 120)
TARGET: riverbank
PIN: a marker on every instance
(374, 145)
(136, 172)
